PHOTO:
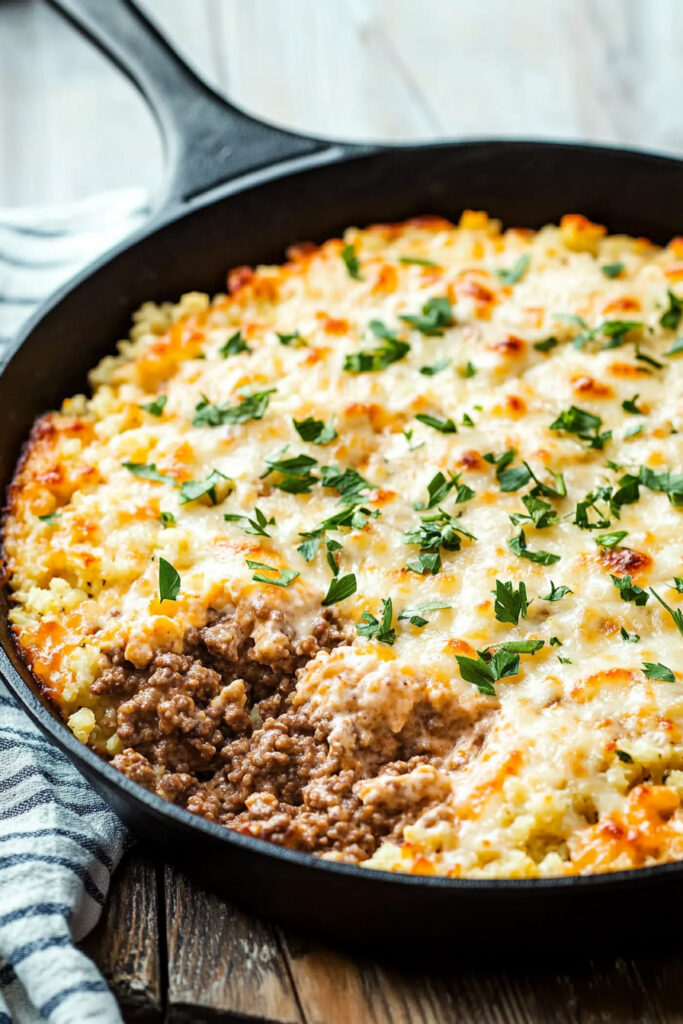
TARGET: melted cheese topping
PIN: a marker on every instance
(581, 767)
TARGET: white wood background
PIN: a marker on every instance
(607, 70)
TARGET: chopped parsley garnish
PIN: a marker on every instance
(234, 346)
(446, 426)
(539, 512)
(436, 314)
(667, 482)
(516, 271)
(148, 472)
(156, 407)
(467, 420)
(612, 270)
(216, 486)
(584, 424)
(340, 588)
(437, 530)
(331, 548)
(518, 546)
(655, 670)
(513, 479)
(555, 641)
(556, 593)
(616, 330)
(169, 581)
(50, 518)
(294, 339)
(509, 603)
(392, 350)
(426, 562)
(490, 666)
(675, 613)
(468, 370)
(645, 358)
(678, 584)
(624, 756)
(439, 487)
(256, 525)
(351, 518)
(351, 262)
(431, 371)
(295, 472)
(610, 540)
(252, 407)
(378, 629)
(629, 405)
(348, 483)
(629, 638)
(671, 317)
(417, 260)
(590, 504)
(676, 349)
(415, 616)
(283, 578)
(546, 345)
(315, 431)
(629, 591)
(167, 520)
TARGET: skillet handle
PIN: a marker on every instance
(208, 141)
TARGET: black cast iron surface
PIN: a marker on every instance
(291, 189)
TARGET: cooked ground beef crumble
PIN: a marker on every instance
(213, 729)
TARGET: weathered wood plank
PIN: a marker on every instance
(222, 964)
(125, 943)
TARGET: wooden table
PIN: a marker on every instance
(386, 69)
(174, 953)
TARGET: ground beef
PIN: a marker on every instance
(213, 730)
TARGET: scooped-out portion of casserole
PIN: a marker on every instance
(379, 556)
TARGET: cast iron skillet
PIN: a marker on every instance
(239, 191)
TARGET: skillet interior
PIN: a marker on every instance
(522, 183)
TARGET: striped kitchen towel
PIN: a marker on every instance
(59, 842)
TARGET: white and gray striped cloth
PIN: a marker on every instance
(59, 842)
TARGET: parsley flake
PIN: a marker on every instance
(256, 525)
(612, 270)
(156, 407)
(340, 588)
(629, 638)
(518, 546)
(351, 262)
(417, 260)
(149, 471)
(216, 487)
(671, 318)
(378, 629)
(546, 345)
(283, 578)
(234, 346)
(556, 593)
(438, 367)
(509, 603)
(169, 581)
(610, 540)
(392, 350)
(675, 613)
(50, 518)
(251, 407)
(444, 426)
(315, 431)
(629, 591)
(629, 405)
(294, 339)
(655, 670)
(167, 520)
(516, 271)
(584, 424)
(414, 615)
(436, 314)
